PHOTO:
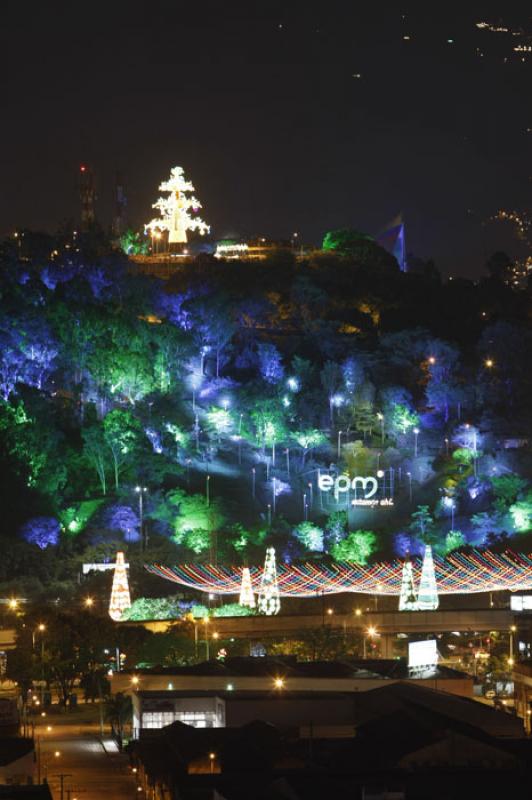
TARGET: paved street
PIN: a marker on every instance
(92, 770)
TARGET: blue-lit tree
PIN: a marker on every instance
(27, 353)
(122, 518)
(270, 364)
(42, 531)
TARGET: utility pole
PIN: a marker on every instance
(62, 777)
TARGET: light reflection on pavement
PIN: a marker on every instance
(92, 770)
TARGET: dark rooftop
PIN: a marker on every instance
(25, 793)
(14, 747)
(290, 667)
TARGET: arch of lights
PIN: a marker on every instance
(460, 573)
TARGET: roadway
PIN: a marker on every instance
(386, 622)
(92, 767)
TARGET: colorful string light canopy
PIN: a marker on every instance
(460, 573)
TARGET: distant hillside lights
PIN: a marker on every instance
(230, 250)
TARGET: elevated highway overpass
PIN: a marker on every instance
(386, 622)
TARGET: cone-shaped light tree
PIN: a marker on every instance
(247, 598)
(427, 599)
(407, 598)
(120, 597)
(269, 598)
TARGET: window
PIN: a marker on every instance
(198, 719)
(157, 719)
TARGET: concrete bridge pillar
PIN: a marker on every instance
(387, 645)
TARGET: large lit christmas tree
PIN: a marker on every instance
(175, 209)
(247, 598)
(407, 598)
(269, 598)
(427, 599)
(120, 597)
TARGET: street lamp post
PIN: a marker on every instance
(40, 628)
(380, 417)
(253, 478)
(370, 633)
(287, 451)
(208, 490)
(339, 448)
(207, 643)
(416, 434)
(513, 629)
(409, 475)
(196, 431)
(143, 535)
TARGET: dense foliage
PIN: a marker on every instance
(191, 417)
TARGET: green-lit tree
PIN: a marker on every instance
(121, 432)
(133, 244)
(422, 523)
(402, 419)
(186, 513)
(358, 546)
(453, 541)
(364, 419)
(308, 440)
(95, 451)
(506, 488)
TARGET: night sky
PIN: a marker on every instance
(261, 104)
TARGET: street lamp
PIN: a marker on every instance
(41, 627)
(371, 633)
(416, 434)
(409, 476)
(513, 629)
